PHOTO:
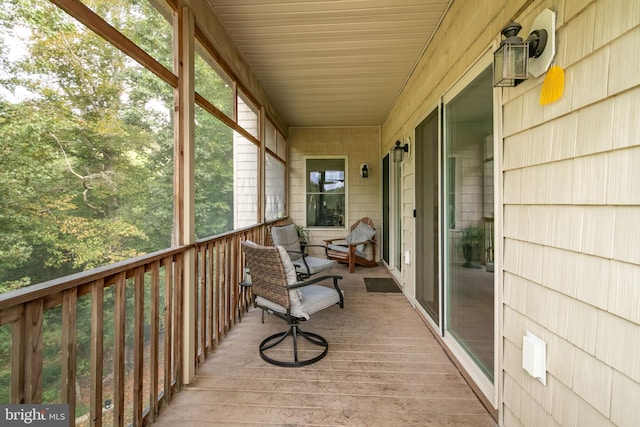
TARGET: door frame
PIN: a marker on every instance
(437, 108)
(395, 218)
(492, 391)
(489, 389)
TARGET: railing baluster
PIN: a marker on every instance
(219, 268)
(69, 338)
(178, 304)
(233, 282)
(119, 321)
(168, 328)
(202, 299)
(33, 351)
(216, 287)
(227, 294)
(18, 358)
(154, 340)
(138, 347)
(97, 351)
(211, 294)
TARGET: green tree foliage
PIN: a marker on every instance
(213, 154)
(86, 142)
(86, 157)
(214, 175)
(86, 154)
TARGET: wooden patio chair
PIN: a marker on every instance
(306, 266)
(361, 235)
(277, 291)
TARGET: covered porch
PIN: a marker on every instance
(125, 212)
(384, 368)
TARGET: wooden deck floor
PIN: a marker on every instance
(384, 368)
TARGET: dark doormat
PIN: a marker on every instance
(380, 284)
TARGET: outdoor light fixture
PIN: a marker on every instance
(511, 63)
(364, 170)
(398, 150)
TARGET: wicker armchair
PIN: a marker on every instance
(277, 291)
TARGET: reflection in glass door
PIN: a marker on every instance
(468, 264)
(397, 216)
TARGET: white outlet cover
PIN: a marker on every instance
(534, 354)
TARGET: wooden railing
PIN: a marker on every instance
(110, 342)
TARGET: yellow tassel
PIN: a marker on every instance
(553, 85)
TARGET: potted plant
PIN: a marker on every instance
(303, 236)
(472, 246)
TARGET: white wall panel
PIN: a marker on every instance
(593, 281)
(590, 76)
(590, 180)
(592, 381)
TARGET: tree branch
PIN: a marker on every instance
(66, 159)
(84, 179)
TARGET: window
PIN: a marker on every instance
(87, 163)
(146, 23)
(275, 172)
(214, 189)
(275, 141)
(248, 114)
(274, 187)
(212, 82)
(326, 196)
(245, 177)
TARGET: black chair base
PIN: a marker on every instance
(294, 331)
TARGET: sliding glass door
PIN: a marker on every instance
(428, 216)
(392, 215)
(468, 229)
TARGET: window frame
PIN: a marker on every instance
(345, 212)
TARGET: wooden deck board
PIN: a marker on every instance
(384, 368)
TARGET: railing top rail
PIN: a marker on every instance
(238, 231)
(40, 290)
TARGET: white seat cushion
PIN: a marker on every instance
(362, 233)
(295, 296)
(315, 264)
(287, 237)
(345, 249)
(314, 298)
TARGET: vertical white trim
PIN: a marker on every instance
(396, 219)
(441, 218)
(262, 175)
(498, 236)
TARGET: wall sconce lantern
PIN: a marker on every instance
(364, 170)
(512, 63)
(398, 150)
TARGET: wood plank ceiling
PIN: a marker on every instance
(331, 62)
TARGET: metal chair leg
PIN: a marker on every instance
(294, 331)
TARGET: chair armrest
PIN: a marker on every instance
(330, 241)
(361, 243)
(315, 280)
(297, 252)
(316, 246)
(320, 279)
